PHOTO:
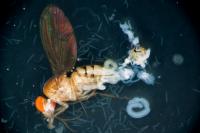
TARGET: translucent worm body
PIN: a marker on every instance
(138, 103)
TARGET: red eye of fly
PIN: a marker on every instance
(40, 103)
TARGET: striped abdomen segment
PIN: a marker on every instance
(92, 77)
(87, 78)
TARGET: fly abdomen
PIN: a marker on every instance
(90, 71)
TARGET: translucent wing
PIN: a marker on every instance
(58, 39)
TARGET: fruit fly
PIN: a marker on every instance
(60, 45)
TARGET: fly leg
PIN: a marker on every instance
(63, 107)
(50, 122)
(87, 95)
(60, 110)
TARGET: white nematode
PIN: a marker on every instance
(110, 64)
(141, 104)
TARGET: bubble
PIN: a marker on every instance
(7, 69)
(177, 59)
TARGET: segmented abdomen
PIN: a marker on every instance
(92, 77)
(87, 77)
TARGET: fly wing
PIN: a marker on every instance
(58, 39)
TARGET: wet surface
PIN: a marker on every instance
(161, 26)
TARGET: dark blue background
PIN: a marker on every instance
(167, 27)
